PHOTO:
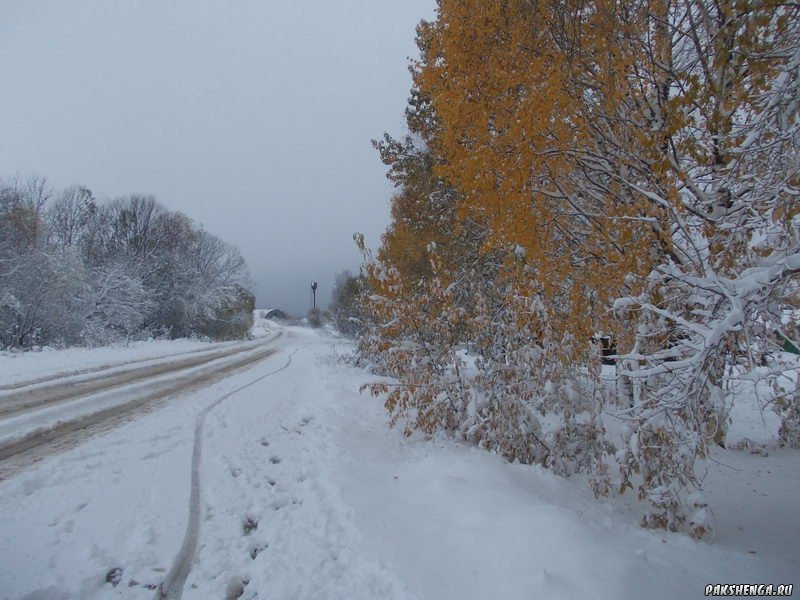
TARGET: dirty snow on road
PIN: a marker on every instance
(46, 364)
(303, 492)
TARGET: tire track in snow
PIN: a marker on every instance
(105, 367)
(64, 390)
(172, 586)
(27, 450)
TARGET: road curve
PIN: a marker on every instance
(49, 391)
(69, 373)
(21, 452)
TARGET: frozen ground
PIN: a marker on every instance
(304, 493)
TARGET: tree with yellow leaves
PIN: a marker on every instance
(626, 168)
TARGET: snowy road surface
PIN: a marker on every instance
(30, 394)
(49, 415)
(302, 492)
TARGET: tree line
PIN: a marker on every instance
(77, 271)
(587, 176)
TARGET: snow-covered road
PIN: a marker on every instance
(24, 396)
(300, 491)
(46, 416)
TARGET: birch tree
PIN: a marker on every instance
(632, 169)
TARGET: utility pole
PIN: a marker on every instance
(314, 294)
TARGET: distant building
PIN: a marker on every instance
(272, 313)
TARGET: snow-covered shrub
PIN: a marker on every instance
(75, 272)
(477, 360)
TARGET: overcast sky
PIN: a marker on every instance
(254, 117)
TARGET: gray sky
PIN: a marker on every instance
(254, 117)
